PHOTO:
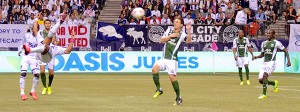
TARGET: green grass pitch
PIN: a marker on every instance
(133, 93)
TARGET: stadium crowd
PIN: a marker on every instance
(212, 12)
(80, 12)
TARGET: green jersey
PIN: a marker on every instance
(269, 48)
(241, 46)
(171, 47)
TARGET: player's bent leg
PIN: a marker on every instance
(155, 71)
(247, 74)
(53, 30)
(265, 82)
(22, 85)
(175, 84)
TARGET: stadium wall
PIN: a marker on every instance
(95, 62)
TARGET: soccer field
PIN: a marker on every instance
(133, 93)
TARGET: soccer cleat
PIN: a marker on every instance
(63, 16)
(23, 97)
(26, 49)
(178, 101)
(242, 83)
(276, 86)
(158, 93)
(49, 90)
(262, 96)
(44, 91)
(34, 96)
(248, 82)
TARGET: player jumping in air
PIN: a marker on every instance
(31, 61)
(268, 51)
(241, 46)
(55, 41)
(173, 37)
(46, 51)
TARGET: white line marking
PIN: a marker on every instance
(295, 90)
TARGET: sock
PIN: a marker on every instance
(22, 84)
(50, 80)
(176, 88)
(35, 82)
(43, 77)
(247, 73)
(265, 82)
(271, 83)
(38, 49)
(240, 74)
(156, 80)
(53, 30)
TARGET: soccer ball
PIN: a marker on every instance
(138, 13)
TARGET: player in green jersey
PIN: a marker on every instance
(173, 38)
(241, 46)
(269, 49)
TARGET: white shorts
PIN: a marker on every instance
(241, 61)
(32, 62)
(169, 65)
(53, 51)
(268, 67)
(50, 65)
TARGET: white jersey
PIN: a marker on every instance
(31, 41)
(253, 4)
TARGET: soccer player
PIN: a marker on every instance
(241, 46)
(45, 51)
(55, 41)
(31, 61)
(173, 37)
(268, 51)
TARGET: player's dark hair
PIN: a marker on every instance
(47, 20)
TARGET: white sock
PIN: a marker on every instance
(53, 30)
(22, 84)
(38, 49)
(35, 82)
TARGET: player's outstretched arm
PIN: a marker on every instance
(188, 30)
(36, 25)
(262, 54)
(234, 53)
(288, 57)
(251, 51)
(70, 47)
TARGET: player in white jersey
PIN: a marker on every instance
(46, 51)
(31, 61)
(269, 50)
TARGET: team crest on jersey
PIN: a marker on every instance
(155, 33)
(229, 33)
(244, 41)
(272, 45)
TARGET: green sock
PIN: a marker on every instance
(43, 77)
(50, 80)
(265, 82)
(176, 88)
(271, 83)
(156, 80)
(240, 74)
(247, 73)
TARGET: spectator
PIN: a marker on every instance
(131, 6)
(244, 3)
(2, 21)
(56, 12)
(241, 17)
(218, 15)
(290, 15)
(30, 21)
(17, 6)
(38, 5)
(188, 19)
(132, 22)
(73, 20)
(166, 20)
(269, 15)
(263, 5)
(274, 7)
(229, 20)
(250, 17)
(296, 4)
(194, 6)
(177, 5)
(57, 5)
(253, 5)
(210, 12)
(66, 7)
(209, 20)
(167, 10)
(206, 6)
(81, 7)
(10, 19)
(15, 14)
(3, 13)
(21, 20)
(149, 5)
(52, 17)
(261, 18)
(5, 5)
(143, 21)
(298, 14)
(121, 21)
(33, 10)
(222, 5)
(156, 12)
(75, 4)
(175, 14)
(159, 4)
(94, 6)
(147, 12)
(48, 5)
(137, 3)
(26, 6)
(220, 20)
(76, 14)
(89, 13)
(199, 20)
(24, 14)
(229, 11)
(82, 21)
(126, 12)
(214, 6)
(45, 10)
(184, 10)
(154, 20)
